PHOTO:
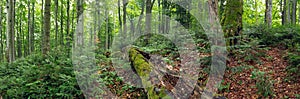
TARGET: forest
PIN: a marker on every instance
(150, 49)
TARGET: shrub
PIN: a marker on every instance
(39, 76)
(263, 83)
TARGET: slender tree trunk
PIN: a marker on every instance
(68, 26)
(286, 12)
(124, 17)
(107, 27)
(299, 13)
(119, 15)
(10, 31)
(56, 22)
(1, 35)
(42, 26)
(47, 24)
(79, 39)
(19, 39)
(29, 28)
(294, 10)
(32, 29)
(61, 23)
(268, 13)
(138, 27)
(282, 8)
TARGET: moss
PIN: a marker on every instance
(143, 68)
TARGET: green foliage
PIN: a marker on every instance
(38, 76)
(294, 66)
(282, 36)
(240, 69)
(224, 87)
(263, 83)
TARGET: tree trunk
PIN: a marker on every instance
(138, 27)
(294, 10)
(56, 22)
(10, 49)
(42, 26)
(61, 24)
(214, 6)
(1, 35)
(32, 29)
(47, 24)
(125, 3)
(107, 27)
(79, 39)
(68, 27)
(19, 39)
(119, 15)
(148, 16)
(233, 21)
(18, 32)
(286, 12)
(29, 28)
(268, 13)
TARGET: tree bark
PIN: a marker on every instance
(56, 22)
(138, 27)
(46, 37)
(286, 12)
(268, 13)
(68, 27)
(61, 24)
(19, 39)
(42, 25)
(233, 21)
(107, 27)
(79, 39)
(125, 3)
(294, 10)
(119, 16)
(10, 49)
(29, 28)
(32, 29)
(1, 35)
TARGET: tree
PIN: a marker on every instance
(56, 22)
(232, 22)
(61, 40)
(68, 37)
(294, 10)
(32, 29)
(125, 3)
(149, 5)
(10, 48)
(46, 35)
(286, 12)
(1, 35)
(79, 37)
(268, 13)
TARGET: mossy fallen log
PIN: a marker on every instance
(141, 66)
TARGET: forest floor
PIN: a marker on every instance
(274, 65)
(239, 84)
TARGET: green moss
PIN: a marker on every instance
(143, 69)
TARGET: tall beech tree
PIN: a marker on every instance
(10, 42)
(46, 28)
(232, 22)
(268, 13)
